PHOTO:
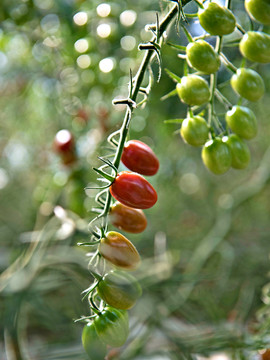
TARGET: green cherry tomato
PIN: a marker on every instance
(194, 131)
(216, 156)
(202, 57)
(259, 10)
(217, 20)
(242, 121)
(193, 90)
(119, 289)
(255, 46)
(248, 84)
(112, 326)
(92, 344)
(239, 150)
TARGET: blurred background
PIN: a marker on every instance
(206, 248)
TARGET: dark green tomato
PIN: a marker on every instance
(216, 156)
(195, 131)
(112, 326)
(242, 121)
(259, 10)
(119, 289)
(255, 46)
(217, 20)
(93, 346)
(248, 84)
(239, 150)
(193, 90)
(201, 56)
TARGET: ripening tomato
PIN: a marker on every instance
(265, 355)
(119, 289)
(92, 344)
(202, 57)
(255, 46)
(194, 130)
(216, 156)
(217, 20)
(128, 219)
(112, 326)
(133, 190)
(64, 142)
(140, 158)
(239, 150)
(259, 10)
(248, 84)
(193, 90)
(118, 250)
(242, 121)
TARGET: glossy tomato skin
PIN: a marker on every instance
(112, 326)
(128, 219)
(239, 150)
(255, 46)
(242, 121)
(119, 289)
(133, 190)
(193, 90)
(202, 57)
(119, 251)
(248, 84)
(216, 156)
(92, 344)
(140, 158)
(259, 10)
(194, 130)
(217, 20)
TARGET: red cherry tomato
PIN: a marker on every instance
(140, 158)
(64, 141)
(128, 219)
(133, 190)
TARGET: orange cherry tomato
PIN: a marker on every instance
(128, 219)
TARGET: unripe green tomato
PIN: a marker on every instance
(194, 131)
(201, 56)
(216, 156)
(242, 121)
(255, 46)
(259, 10)
(239, 150)
(217, 20)
(112, 326)
(92, 344)
(193, 90)
(119, 289)
(248, 84)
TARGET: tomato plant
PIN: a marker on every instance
(255, 46)
(92, 344)
(242, 121)
(119, 289)
(216, 156)
(133, 190)
(193, 90)
(202, 57)
(259, 10)
(248, 84)
(118, 250)
(140, 158)
(194, 130)
(239, 150)
(128, 219)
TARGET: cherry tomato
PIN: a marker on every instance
(217, 20)
(242, 121)
(259, 10)
(119, 289)
(255, 46)
(140, 158)
(128, 219)
(92, 344)
(239, 150)
(265, 355)
(133, 190)
(202, 57)
(118, 250)
(216, 156)
(112, 326)
(194, 131)
(193, 90)
(248, 84)
(64, 145)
